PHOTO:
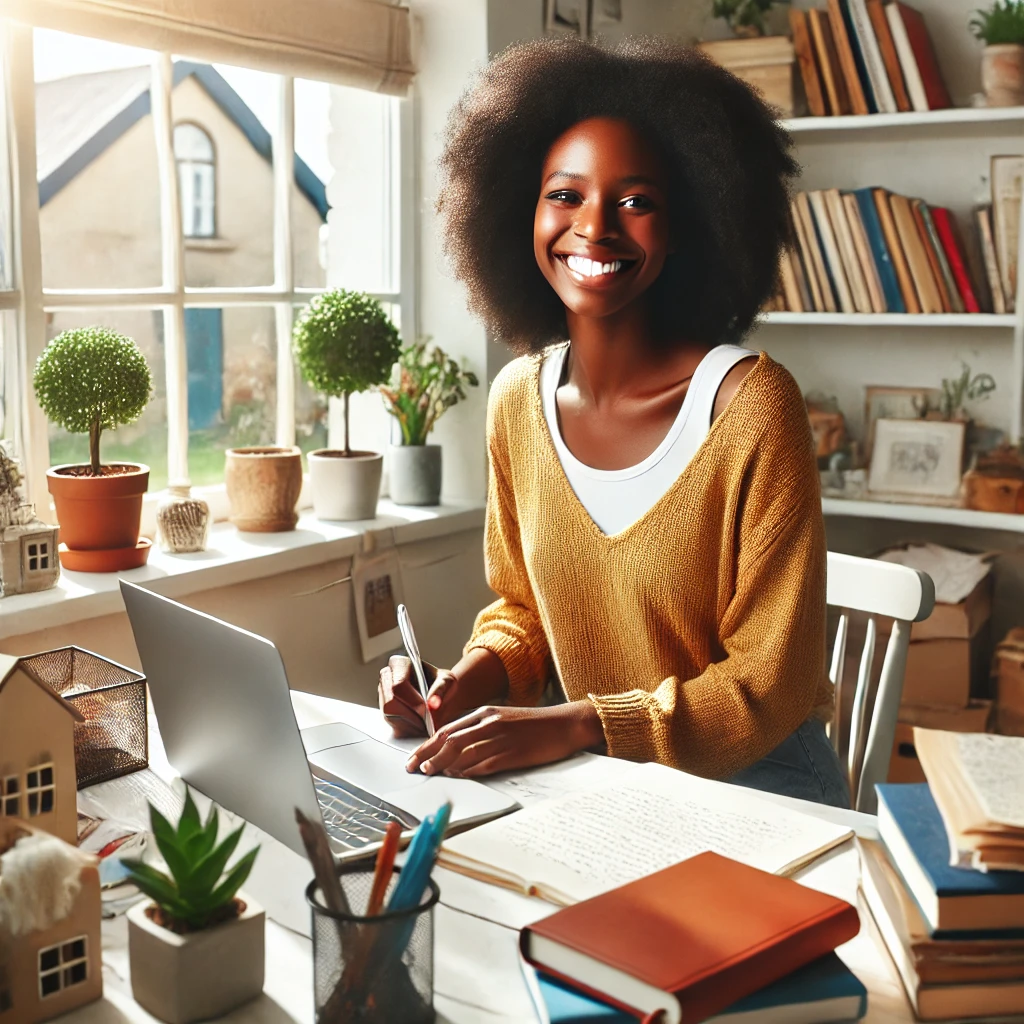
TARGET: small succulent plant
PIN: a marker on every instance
(1003, 22)
(199, 891)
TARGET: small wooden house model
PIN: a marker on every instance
(37, 753)
(28, 546)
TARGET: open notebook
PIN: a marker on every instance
(569, 849)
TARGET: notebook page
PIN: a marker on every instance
(994, 767)
(589, 842)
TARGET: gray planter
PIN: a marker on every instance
(416, 474)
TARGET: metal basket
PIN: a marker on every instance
(113, 740)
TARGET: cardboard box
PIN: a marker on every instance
(1008, 671)
(904, 765)
(957, 621)
(938, 673)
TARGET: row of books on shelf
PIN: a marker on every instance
(875, 251)
(866, 57)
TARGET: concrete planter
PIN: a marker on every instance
(416, 474)
(1002, 74)
(185, 978)
(263, 486)
(344, 486)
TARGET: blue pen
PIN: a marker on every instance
(422, 852)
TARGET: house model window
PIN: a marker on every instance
(63, 966)
(10, 797)
(193, 151)
(37, 556)
(40, 791)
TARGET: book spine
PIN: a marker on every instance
(945, 270)
(847, 252)
(872, 56)
(805, 58)
(988, 253)
(828, 61)
(895, 247)
(889, 56)
(833, 261)
(908, 63)
(804, 244)
(917, 208)
(828, 299)
(957, 259)
(935, 90)
(858, 100)
(864, 254)
(799, 271)
(789, 288)
(1006, 176)
(866, 202)
(917, 258)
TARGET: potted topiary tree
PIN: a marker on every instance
(88, 380)
(425, 382)
(345, 343)
(1001, 29)
(197, 950)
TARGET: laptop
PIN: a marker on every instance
(222, 701)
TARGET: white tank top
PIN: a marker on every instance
(617, 498)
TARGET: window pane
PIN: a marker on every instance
(232, 374)
(145, 440)
(227, 195)
(310, 413)
(99, 193)
(312, 172)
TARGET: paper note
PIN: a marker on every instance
(954, 573)
(994, 766)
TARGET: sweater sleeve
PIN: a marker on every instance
(771, 634)
(511, 626)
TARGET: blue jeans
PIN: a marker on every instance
(803, 765)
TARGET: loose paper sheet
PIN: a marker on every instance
(994, 766)
(955, 573)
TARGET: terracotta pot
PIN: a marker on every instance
(344, 487)
(1002, 74)
(263, 486)
(99, 516)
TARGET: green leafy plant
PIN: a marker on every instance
(92, 379)
(1003, 22)
(968, 387)
(425, 382)
(744, 17)
(344, 343)
(194, 894)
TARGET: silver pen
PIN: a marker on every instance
(413, 650)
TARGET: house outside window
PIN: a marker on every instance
(63, 966)
(197, 181)
(40, 790)
(10, 796)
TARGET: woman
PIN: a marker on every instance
(654, 528)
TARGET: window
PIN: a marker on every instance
(40, 790)
(63, 966)
(193, 151)
(37, 555)
(10, 797)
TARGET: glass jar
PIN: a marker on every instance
(182, 521)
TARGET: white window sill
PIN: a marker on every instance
(233, 557)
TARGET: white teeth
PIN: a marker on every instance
(590, 268)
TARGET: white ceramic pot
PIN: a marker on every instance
(344, 486)
(185, 978)
(1002, 74)
(415, 474)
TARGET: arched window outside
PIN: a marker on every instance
(193, 151)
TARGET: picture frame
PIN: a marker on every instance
(893, 403)
(376, 593)
(567, 17)
(919, 460)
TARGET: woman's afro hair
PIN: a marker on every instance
(729, 167)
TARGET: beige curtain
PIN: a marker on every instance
(361, 43)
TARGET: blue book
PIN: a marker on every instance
(880, 251)
(952, 899)
(858, 57)
(819, 993)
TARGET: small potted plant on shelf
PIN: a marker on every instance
(424, 383)
(761, 60)
(1001, 29)
(197, 950)
(345, 343)
(88, 380)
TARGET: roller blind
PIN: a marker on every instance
(361, 43)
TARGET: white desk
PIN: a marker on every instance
(477, 978)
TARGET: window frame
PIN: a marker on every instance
(31, 302)
(40, 788)
(7, 794)
(63, 966)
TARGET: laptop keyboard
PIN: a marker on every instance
(352, 817)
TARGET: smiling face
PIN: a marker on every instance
(601, 227)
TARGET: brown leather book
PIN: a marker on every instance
(858, 101)
(808, 66)
(895, 247)
(828, 62)
(689, 940)
(890, 58)
(919, 210)
(917, 257)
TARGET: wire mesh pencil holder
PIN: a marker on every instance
(372, 970)
(112, 740)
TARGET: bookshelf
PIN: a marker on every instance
(970, 116)
(972, 320)
(937, 514)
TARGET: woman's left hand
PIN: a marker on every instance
(500, 739)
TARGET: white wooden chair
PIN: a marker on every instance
(880, 589)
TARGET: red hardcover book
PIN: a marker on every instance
(946, 229)
(689, 940)
(917, 34)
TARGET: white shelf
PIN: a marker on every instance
(911, 119)
(1005, 320)
(923, 514)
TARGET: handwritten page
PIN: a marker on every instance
(994, 767)
(588, 842)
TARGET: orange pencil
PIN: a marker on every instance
(382, 872)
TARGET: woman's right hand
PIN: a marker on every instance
(399, 697)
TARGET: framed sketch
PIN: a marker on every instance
(917, 459)
(893, 403)
(570, 17)
(377, 593)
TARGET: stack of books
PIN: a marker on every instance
(874, 251)
(866, 57)
(954, 932)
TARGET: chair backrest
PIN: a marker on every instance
(879, 589)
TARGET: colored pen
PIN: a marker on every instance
(382, 870)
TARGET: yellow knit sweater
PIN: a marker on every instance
(698, 632)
